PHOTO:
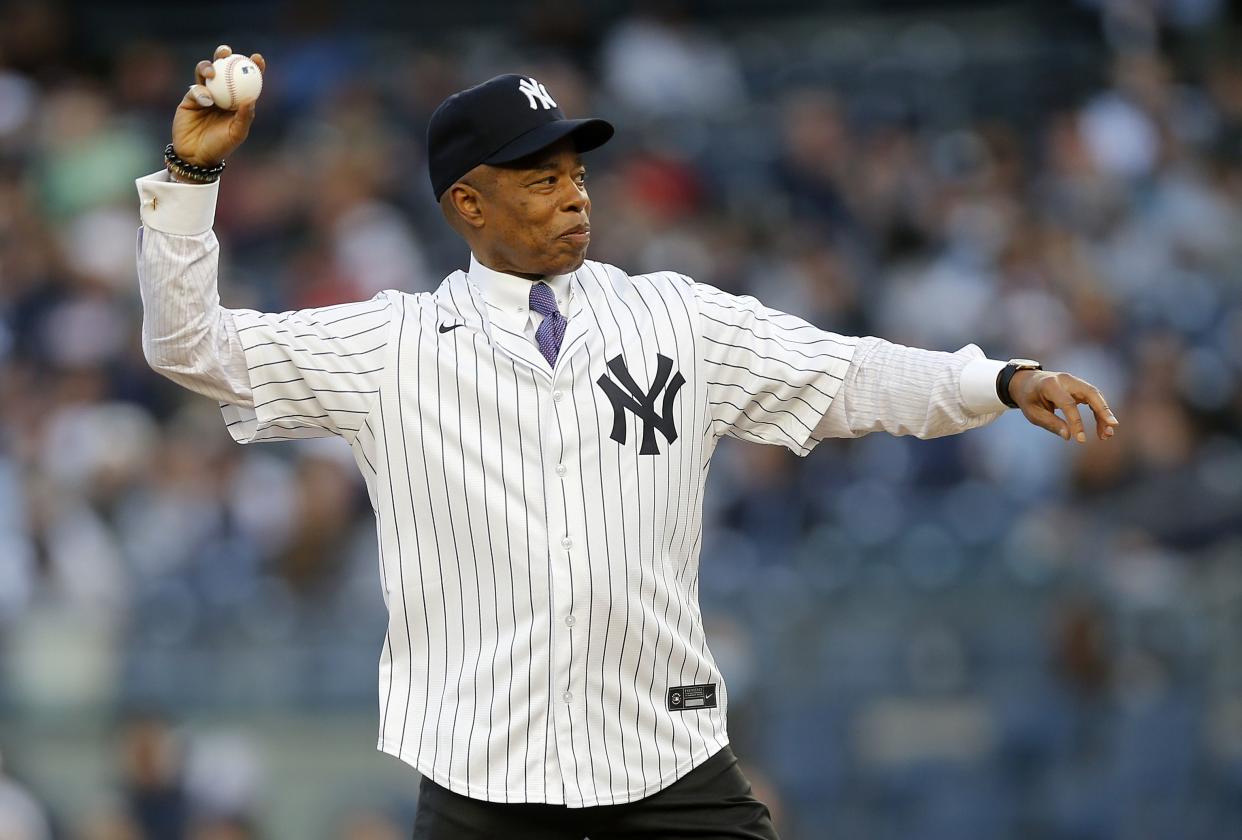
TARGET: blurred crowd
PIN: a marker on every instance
(994, 635)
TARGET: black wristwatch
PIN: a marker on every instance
(1006, 376)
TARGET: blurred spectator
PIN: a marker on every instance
(21, 815)
(661, 65)
(151, 766)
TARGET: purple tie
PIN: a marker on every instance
(552, 330)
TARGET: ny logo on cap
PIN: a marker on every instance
(536, 94)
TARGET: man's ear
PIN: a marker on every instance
(467, 202)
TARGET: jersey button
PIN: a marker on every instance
(570, 621)
(556, 395)
(560, 470)
(566, 542)
(568, 697)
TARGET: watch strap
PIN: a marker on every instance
(1005, 377)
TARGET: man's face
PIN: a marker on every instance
(536, 212)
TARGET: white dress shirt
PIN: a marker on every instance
(508, 297)
(539, 525)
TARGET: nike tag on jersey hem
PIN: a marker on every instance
(449, 327)
(686, 697)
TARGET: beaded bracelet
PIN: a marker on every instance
(202, 174)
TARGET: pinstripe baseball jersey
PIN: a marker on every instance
(539, 525)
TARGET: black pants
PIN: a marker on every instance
(711, 801)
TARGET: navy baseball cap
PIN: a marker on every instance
(500, 121)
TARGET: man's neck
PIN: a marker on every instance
(498, 265)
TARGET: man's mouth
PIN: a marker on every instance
(578, 234)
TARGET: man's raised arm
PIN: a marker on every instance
(277, 376)
(186, 335)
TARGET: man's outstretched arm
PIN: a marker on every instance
(927, 393)
(909, 391)
(775, 378)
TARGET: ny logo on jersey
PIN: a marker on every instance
(536, 94)
(641, 402)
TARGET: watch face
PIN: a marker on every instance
(1025, 363)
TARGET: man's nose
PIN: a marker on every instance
(576, 199)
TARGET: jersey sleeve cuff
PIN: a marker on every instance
(978, 386)
(172, 207)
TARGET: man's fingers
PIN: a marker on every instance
(1063, 392)
(1105, 420)
(197, 97)
(258, 59)
(1045, 419)
(239, 126)
(203, 71)
(1069, 407)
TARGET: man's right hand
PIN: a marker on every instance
(203, 134)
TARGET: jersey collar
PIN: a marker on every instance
(508, 296)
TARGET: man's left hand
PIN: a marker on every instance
(1039, 393)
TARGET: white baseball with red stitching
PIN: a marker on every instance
(238, 80)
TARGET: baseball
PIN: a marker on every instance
(238, 80)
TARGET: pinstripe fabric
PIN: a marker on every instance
(540, 574)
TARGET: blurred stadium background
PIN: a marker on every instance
(991, 636)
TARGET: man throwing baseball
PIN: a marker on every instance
(535, 437)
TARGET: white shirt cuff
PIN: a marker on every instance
(176, 208)
(978, 386)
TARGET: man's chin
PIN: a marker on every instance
(568, 265)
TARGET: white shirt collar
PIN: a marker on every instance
(508, 296)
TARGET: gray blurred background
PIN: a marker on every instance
(992, 636)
